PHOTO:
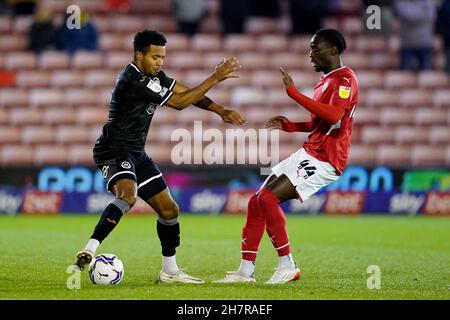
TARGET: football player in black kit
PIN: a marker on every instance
(119, 152)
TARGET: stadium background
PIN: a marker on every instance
(53, 105)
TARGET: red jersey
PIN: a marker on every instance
(331, 143)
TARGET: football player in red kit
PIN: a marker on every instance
(319, 162)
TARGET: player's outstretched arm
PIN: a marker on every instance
(283, 123)
(205, 103)
(223, 70)
(329, 113)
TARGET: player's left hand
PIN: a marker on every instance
(287, 78)
(231, 116)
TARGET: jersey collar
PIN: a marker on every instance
(326, 75)
(134, 66)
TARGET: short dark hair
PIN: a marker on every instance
(145, 38)
(334, 37)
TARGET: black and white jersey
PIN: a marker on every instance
(134, 100)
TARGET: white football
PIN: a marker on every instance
(106, 269)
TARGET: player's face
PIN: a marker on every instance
(153, 60)
(320, 54)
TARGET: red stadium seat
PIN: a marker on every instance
(371, 44)
(395, 115)
(362, 154)
(66, 78)
(399, 79)
(53, 60)
(118, 59)
(127, 24)
(78, 97)
(352, 25)
(16, 155)
(253, 61)
(99, 78)
(87, 60)
(300, 44)
(21, 24)
(58, 115)
(411, 134)
(290, 61)
(20, 61)
(365, 115)
(184, 60)
(177, 42)
(258, 25)
(49, 154)
(68, 134)
(13, 97)
(206, 42)
(5, 24)
(10, 134)
(45, 97)
(440, 134)
(378, 97)
(89, 115)
(356, 61)
(13, 42)
(415, 97)
(247, 95)
(21, 116)
(239, 43)
(377, 134)
(210, 24)
(110, 42)
(37, 134)
(426, 155)
(431, 116)
(393, 155)
(272, 43)
(370, 79)
(80, 154)
(432, 79)
(33, 79)
(441, 98)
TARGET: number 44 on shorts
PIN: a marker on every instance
(307, 169)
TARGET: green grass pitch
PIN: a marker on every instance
(413, 254)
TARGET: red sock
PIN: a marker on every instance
(253, 230)
(269, 205)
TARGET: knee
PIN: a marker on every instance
(169, 212)
(265, 196)
(129, 198)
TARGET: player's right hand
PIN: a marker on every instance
(226, 68)
(276, 122)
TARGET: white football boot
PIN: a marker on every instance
(83, 258)
(284, 274)
(179, 277)
(234, 277)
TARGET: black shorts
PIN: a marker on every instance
(137, 166)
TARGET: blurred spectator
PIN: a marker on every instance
(84, 38)
(265, 8)
(22, 7)
(387, 16)
(233, 15)
(417, 18)
(121, 6)
(443, 28)
(42, 32)
(307, 16)
(189, 15)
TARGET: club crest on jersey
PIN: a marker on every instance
(344, 92)
(151, 108)
(154, 85)
(126, 165)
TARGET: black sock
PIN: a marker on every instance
(169, 235)
(110, 219)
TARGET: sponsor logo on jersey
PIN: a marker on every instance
(344, 92)
(325, 86)
(105, 171)
(154, 85)
(126, 165)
